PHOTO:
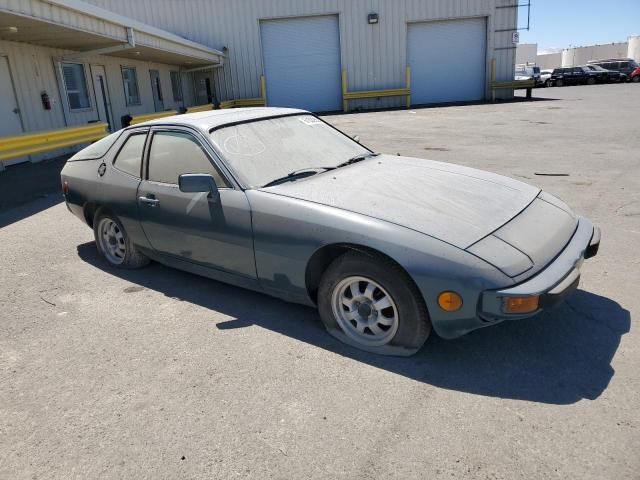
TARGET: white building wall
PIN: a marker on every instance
(549, 60)
(375, 56)
(572, 57)
(35, 70)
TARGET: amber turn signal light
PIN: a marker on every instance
(521, 304)
(450, 301)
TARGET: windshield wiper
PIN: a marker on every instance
(357, 158)
(296, 174)
(310, 171)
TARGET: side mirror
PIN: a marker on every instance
(197, 183)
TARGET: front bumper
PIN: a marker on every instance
(552, 284)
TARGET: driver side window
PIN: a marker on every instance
(175, 153)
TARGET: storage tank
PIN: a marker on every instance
(568, 54)
(634, 48)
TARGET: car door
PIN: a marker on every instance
(121, 179)
(214, 231)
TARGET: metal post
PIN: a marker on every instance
(408, 79)
(263, 89)
(493, 79)
(345, 102)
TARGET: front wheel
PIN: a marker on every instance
(114, 245)
(559, 83)
(372, 304)
(591, 81)
(636, 79)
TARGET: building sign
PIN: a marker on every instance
(516, 37)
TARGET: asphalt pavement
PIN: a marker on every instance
(161, 374)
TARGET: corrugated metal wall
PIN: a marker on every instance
(374, 56)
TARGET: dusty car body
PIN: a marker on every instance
(408, 244)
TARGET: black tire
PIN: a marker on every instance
(413, 324)
(548, 83)
(132, 257)
(559, 83)
(635, 79)
(591, 81)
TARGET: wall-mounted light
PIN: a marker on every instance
(9, 29)
(372, 18)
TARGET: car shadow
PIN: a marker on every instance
(559, 357)
(20, 212)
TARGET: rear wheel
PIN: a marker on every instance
(114, 244)
(559, 83)
(636, 79)
(591, 81)
(370, 303)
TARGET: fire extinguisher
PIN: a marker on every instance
(46, 101)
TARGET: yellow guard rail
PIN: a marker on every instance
(39, 142)
(200, 108)
(392, 92)
(509, 85)
(261, 101)
(151, 116)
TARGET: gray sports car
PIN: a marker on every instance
(279, 201)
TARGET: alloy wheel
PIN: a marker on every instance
(112, 241)
(365, 311)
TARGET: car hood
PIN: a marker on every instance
(456, 204)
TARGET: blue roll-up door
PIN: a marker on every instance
(302, 63)
(448, 60)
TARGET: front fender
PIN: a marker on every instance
(287, 233)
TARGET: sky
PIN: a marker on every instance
(557, 24)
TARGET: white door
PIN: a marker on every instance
(101, 93)
(9, 111)
(302, 63)
(448, 60)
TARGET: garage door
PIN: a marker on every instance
(302, 63)
(447, 60)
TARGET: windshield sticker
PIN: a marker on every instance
(308, 120)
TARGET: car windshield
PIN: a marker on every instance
(265, 150)
(596, 67)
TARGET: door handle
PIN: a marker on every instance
(152, 202)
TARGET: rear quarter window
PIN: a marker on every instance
(97, 149)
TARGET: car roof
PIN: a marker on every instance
(210, 119)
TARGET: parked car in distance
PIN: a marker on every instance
(545, 77)
(622, 65)
(612, 76)
(279, 201)
(577, 76)
(528, 72)
(635, 76)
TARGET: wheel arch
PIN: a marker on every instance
(325, 255)
(90, 211)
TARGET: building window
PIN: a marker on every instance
(75, 83)
(130, 81)
(176, 86)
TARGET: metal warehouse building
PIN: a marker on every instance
(69, 62)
